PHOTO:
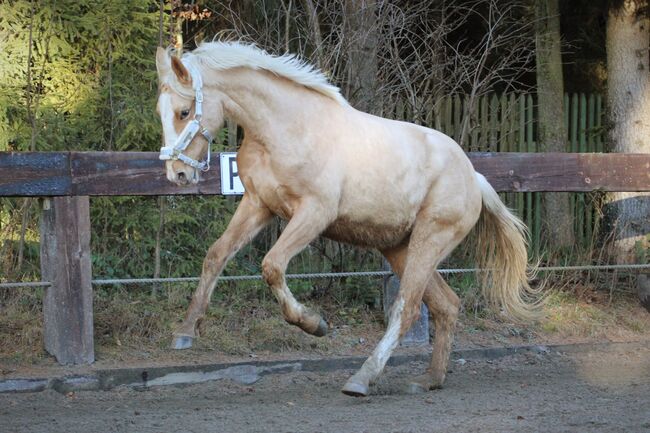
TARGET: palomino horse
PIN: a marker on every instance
(328, 169)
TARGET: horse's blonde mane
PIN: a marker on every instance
(226, 55)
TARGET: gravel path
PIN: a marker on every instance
(597, 391)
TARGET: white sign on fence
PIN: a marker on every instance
(230, 181)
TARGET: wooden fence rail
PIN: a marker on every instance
(67, 179)
(49, 174)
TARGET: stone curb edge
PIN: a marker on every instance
(251, 372)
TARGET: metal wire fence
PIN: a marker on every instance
(319, 275)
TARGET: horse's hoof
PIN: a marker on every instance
(182, 342)
(321, 331)
(416, 388)
(355, 389)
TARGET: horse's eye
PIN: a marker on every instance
(185, 113)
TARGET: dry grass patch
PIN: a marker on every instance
(131, 326)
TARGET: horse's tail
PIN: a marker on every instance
(503, 257)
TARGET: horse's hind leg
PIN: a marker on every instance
(309, 220)
(247, 221)
(429, 243)
(443, 304)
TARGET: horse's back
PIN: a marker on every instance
(390, 168)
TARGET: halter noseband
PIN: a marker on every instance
(191, 130)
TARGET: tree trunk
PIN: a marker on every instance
(314, 24)
(362, 34)
(552, 134)
(157, 287)
(31, 117)
(628, 97)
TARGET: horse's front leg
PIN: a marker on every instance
(248, 220)
(307, 223)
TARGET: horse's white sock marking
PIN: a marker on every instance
(375, 364)
(286, 298)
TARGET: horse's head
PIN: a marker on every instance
(187, 119)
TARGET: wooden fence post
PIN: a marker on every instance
(66, 264)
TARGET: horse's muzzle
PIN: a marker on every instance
(182, 174)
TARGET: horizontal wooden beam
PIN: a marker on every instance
(142, 173)
(35, 174)
(563, 172)
(94, 174)
(133, 173)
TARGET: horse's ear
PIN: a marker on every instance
(163, 63)
(181, 71)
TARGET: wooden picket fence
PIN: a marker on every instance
(508, 123)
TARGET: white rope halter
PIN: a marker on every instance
(191, 130)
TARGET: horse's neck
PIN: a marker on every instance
(264, 105)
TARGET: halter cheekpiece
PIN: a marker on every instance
(191, 130)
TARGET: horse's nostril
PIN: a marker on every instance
(181, 175)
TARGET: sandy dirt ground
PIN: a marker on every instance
(607, 390)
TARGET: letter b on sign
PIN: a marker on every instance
(230, 182)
